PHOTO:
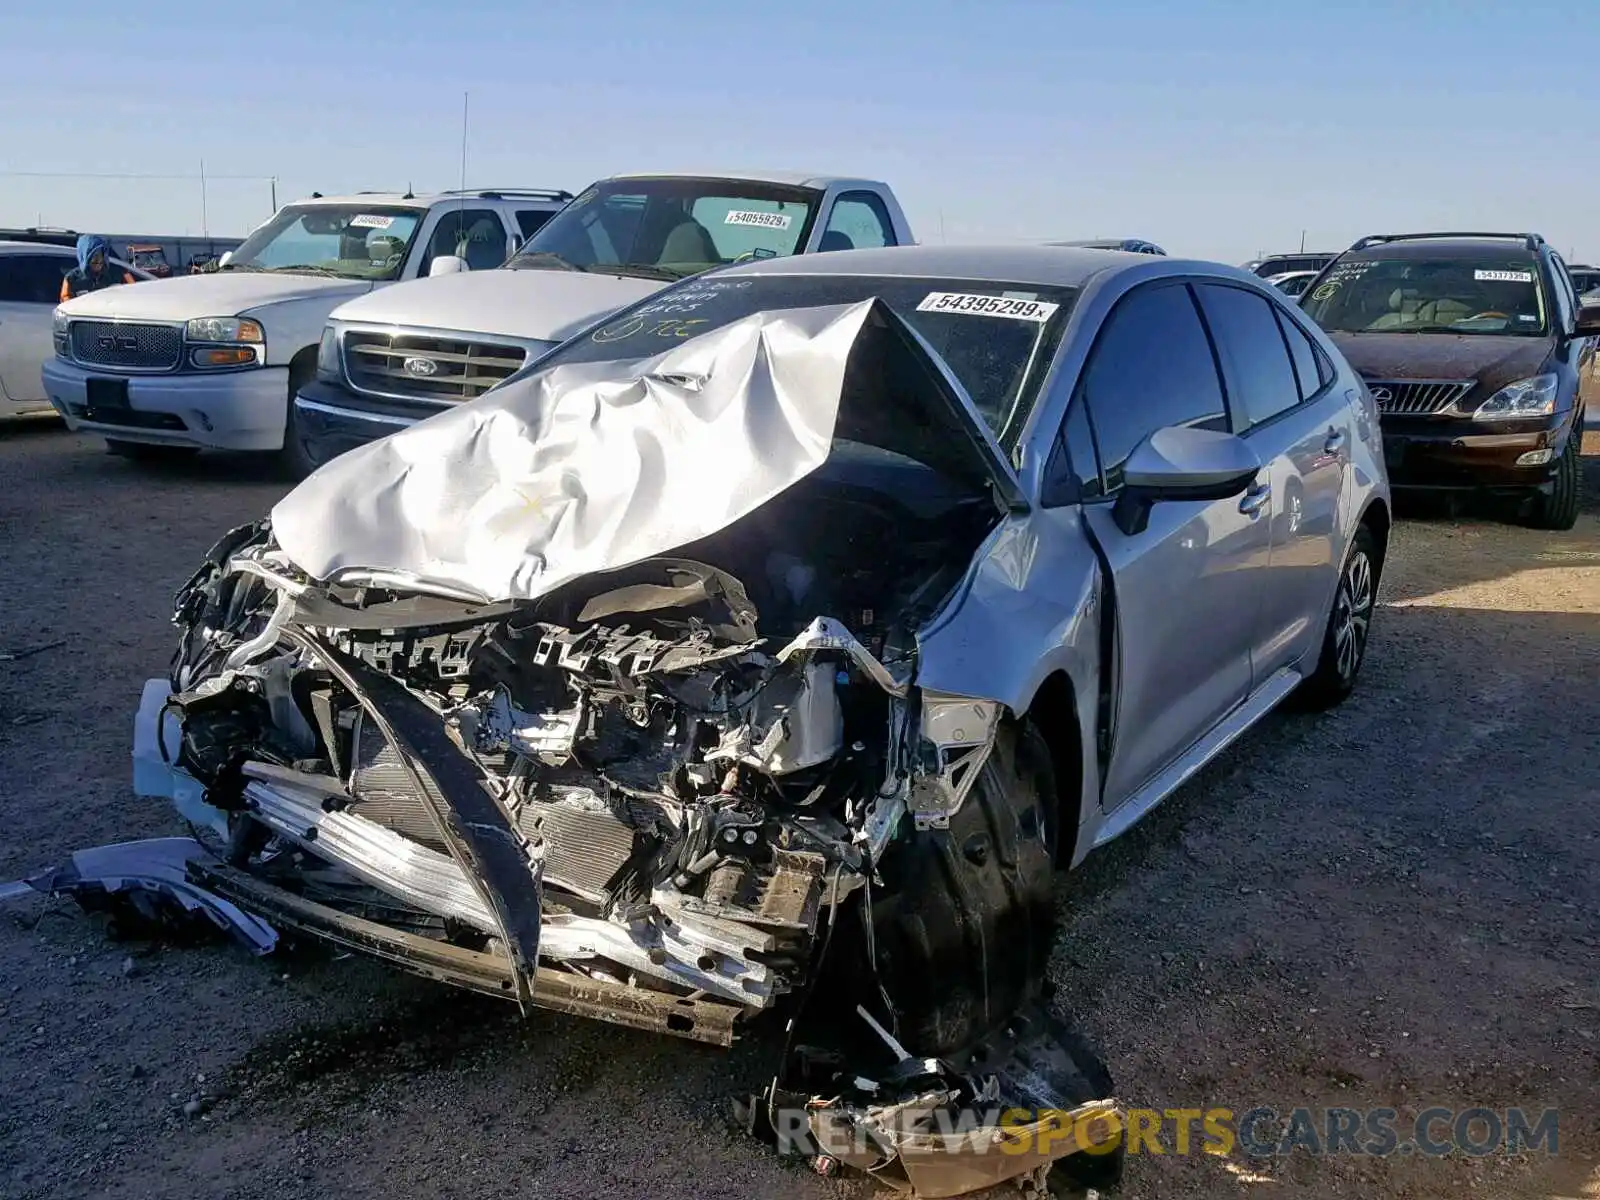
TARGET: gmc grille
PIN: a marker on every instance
(126, 344)
(419, 367)
(1413, 397)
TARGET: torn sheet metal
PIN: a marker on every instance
(584, 467)
(148, 874)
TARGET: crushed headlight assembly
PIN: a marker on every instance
(1531, 397)
(59, 326)
(328, 355)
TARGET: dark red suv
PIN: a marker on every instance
(1473, 345)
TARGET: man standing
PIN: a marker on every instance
(94, 270)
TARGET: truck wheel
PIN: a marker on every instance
(146, 452)
(1559, 510)
(295, 459)
(964, 922)
(1344, 640)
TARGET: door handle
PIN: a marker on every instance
(1255, 499)
(1335, 442)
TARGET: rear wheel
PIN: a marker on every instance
(146, 452)
(1559, 509)
(1344, 641)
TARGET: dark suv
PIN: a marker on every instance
(1472, 345)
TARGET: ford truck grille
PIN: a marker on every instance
(1414, 397)
(420, 367)
(126, 344)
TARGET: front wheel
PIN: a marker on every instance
(296, 459)
(1559, 510)
(1344, 641)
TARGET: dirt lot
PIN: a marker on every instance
(1393, 905)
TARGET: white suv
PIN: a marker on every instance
(30, 288)
(213, 361)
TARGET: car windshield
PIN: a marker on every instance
(1421, 295)
(997, 338)
(353, 241)
(671, 228)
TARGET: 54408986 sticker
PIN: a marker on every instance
(988, 306)
(370, 221)
(761, 220)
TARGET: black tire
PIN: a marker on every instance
(1559, 510)
(147, 452)
(964, 924)
(295, 459)
(1344, 639)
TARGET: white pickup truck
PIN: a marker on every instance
(388, 360)
(212, 361)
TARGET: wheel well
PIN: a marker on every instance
(1377, 519)
(302, 368)
(1054, 712)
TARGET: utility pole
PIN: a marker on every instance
(205, 224)
(1302, 241)
(274, 193)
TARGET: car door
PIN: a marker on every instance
(30, 289)
(1186, 590)
(1280, 396)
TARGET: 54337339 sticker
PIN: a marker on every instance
(1503, 276)
(976, 305)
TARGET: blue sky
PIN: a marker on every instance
(1214, 127)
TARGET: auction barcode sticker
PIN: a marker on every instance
(988, 306)
(1503, 276)
(763, 220)
(370, 221)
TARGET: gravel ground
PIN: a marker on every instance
(1391, 905)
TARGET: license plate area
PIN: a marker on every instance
(105, 399)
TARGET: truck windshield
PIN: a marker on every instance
(998, 339)
(1422, 295)
(352, 241)
(669, 228)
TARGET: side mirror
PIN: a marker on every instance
(447, 264)
(1182, 463)
(227, 257)
(1588, 324)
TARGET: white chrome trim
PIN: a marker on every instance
(377, 418)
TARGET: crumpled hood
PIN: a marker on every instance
(587, 467)
(1495, 361)
(547, 306)
(223, 294)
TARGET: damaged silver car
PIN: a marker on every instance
(774, 642)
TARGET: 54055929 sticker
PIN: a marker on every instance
(988, 306)
(761, 220)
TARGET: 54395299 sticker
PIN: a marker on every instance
(976, 305)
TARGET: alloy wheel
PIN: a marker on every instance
(1352, 615)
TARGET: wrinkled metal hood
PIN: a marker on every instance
(588, 467)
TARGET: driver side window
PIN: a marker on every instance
(858, 221)
(475, 234)
(1151, 367)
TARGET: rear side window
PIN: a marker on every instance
(1151, 367)
(1255, 361)
(1310, 367)
(33, 278)
(530, 220)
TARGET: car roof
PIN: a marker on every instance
(426, 200)
(1051, 266)
(1446, 247)
(811, 179)
(37, 247)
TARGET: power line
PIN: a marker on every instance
(125, 175)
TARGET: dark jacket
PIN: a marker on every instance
(80, 279)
